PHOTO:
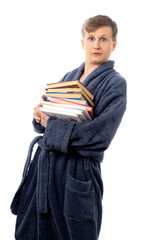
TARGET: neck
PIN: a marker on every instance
(89, 68)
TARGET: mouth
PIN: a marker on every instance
(97, 54)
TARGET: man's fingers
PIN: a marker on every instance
(39, 105)
(40, 116)
(37, 110)
(43, 97)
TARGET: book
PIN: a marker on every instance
(61, 115)
(64, 114)
(73, 108)
(66, 101)
(70, 95)
(72, 84)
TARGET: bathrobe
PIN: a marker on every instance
(60, 195)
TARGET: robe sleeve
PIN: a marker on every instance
(90, 138)
(38, 127)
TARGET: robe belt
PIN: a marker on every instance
(28, 160)
(16, 199)
(43, 177)
(43, 173)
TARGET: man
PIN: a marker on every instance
(60, 196)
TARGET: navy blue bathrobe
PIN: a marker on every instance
(60, 195)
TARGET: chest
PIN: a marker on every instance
(82, 78)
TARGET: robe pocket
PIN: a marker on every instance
(79, 200)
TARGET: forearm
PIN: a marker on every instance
(89, 138)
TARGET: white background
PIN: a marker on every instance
(39, 43)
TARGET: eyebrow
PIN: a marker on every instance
(103, 35)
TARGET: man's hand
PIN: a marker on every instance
(39, 115)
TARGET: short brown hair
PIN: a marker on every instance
(93, 23)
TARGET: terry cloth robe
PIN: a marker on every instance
(60, 195)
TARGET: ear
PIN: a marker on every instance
(114, 45)
(82, 41)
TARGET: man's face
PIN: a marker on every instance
(98, 46)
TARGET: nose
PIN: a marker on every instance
(97, 44)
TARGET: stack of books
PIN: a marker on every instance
(69, 100)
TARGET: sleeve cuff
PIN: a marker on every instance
(57, 134)
(38, 127)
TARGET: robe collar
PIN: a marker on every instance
(104, 67)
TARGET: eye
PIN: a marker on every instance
(91, 38)
(103, 39)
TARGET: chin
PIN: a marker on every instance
(98, 63)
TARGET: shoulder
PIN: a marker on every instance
(117, 81)
(112, 85)
(105, 79)
(113, 75)
(116, 87)
(68, 76)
